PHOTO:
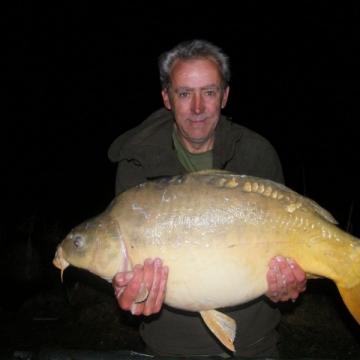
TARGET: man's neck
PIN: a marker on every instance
(196, 147)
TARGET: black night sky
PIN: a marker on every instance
(78, 74)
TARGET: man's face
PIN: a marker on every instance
(195, 97)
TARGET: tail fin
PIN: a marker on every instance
(351, 298)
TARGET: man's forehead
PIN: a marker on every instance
(202, 73)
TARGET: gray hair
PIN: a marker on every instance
(193, 50)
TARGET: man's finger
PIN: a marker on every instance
(155, 286)
(131, 290)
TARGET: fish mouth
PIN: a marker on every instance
(60, 262)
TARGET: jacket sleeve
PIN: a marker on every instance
(128, 175)
(255, 156)
(270, 165)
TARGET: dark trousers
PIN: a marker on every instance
(264, 348)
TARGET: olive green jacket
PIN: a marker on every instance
(147, 152)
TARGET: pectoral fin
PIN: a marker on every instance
(143, 294)
(223, 326)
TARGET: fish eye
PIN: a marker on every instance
(78, 241)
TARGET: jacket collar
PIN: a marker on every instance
(150, 143)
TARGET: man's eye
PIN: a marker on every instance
(184, 94)
(210, 93)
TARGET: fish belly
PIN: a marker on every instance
(208, 278)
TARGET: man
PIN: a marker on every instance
(191, 134)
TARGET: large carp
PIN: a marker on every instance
(217, 232)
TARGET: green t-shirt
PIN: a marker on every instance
(192, 162)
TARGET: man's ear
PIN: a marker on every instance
(225, 97)
(166, 100)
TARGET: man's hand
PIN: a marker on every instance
(127, 286)
(285, 278)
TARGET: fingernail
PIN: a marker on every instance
(280, 258)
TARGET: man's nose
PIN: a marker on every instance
(198, 104)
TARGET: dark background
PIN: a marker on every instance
(78, 74)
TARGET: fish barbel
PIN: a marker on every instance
(216, 231)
